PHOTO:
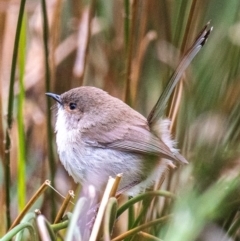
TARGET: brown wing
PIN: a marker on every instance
(128, 138)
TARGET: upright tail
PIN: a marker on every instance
(159, 107)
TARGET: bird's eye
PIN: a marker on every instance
(72, 106)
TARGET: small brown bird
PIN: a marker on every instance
(100, 136)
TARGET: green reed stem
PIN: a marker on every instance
(47, 84)
(126, 23)
(10, 113)
(21, 184)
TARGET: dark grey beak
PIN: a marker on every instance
(55, 97)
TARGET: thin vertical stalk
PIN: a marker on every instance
(126, 23)
(21, 136)
(47, 86)
(10, 113)
(179, 21)
(131, 215)
(2, 128)
(190, 20)
(130, 53)
(83, 42)
(143, 41)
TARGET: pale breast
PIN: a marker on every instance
(71, 152)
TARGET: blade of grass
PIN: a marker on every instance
(30, 203)
(149, 237)
(109, 218)
(126, 23)
(47, 86)
(203, 209)
(10, 113)
(28, 218)
(21, 185)
(131, 216)
(64, 206)
(17, 229)
(143, 196)
(79, 68)
(129, 53)
(59, 226)
(142, 227)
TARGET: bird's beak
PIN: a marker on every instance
(55, 97)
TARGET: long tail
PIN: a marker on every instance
(159, 107)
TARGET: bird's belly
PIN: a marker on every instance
(92, 165)
(89, 165)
